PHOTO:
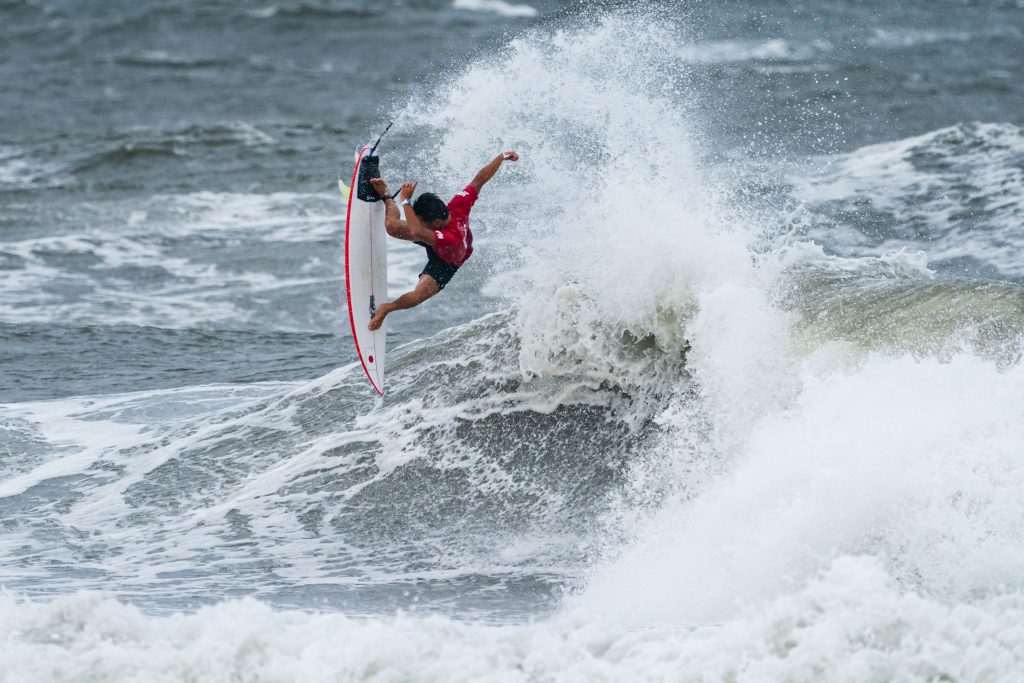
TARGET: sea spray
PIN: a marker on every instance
(624, 235)
(913, 462)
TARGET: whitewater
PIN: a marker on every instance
(691, 415)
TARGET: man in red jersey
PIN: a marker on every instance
(442, 230)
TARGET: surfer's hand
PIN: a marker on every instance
(380, 187)
(407, 190)
(510, 155)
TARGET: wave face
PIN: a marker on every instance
(705, 405)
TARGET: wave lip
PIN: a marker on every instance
(164, 59)
(728, 51)
(121, 147)
(311, 9)
(900, 38)
(499, 7)
(116, 158)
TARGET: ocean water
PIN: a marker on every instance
(731, 390)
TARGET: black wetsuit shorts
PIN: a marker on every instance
(440, 270)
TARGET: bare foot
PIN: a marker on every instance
(378, 318)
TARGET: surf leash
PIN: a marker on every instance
(376, 144)
(341, 171)
(374, 148)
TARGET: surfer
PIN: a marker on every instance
(442, 229)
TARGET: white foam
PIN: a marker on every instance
(914, 462)
(187, 243)
(273, 217)
(963, 182)
(852, 623)
(18, 169)
(727, 51)
(263, 12)
(897, 264)
(909, 37)
(136, 434)
(13, 168)
(499, 7)
(253, 451)
(93, 427)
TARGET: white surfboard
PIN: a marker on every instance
(366, 266)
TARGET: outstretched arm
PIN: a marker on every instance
(488, 171)
(410, 229)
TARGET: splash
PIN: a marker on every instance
(609, 229)
(819, 454)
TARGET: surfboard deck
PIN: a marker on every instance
(366, 266)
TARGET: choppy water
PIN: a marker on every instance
(731, 389)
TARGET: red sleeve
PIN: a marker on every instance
(463, 201)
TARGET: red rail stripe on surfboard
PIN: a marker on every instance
(352, 194)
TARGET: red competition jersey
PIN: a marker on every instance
(455, 241)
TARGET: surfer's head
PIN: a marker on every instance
(431, 209)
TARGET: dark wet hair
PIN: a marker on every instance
(429, 207)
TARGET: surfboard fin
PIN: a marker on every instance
(345, 190)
